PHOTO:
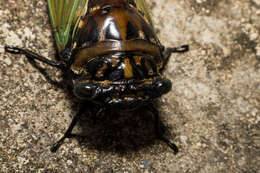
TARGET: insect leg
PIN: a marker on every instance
(31, 55)
(97, 115)
(68, 134)
(158, 130)
(168, 51)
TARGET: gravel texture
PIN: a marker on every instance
(212, 112)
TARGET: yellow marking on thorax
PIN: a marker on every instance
(131, 5)
(141, 34)
(74, 45)
(121, 20)
(114, 61)
(101, 71)
(94, 8)
(149, 68)
(81, 24)
(138, 60)
(128, 70)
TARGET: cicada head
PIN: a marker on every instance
(125, 81)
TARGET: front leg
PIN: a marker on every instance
(158, 130)
(168, 51)
(31, 55)
(68, 133)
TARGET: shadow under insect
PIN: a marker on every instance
(118, 131)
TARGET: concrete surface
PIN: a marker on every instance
(212, 112)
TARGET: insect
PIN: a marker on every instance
(111, 53)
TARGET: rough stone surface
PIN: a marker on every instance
(212, 112)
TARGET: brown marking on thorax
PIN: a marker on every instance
(113, 19)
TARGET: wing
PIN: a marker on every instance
(65, 16)
(142, 6)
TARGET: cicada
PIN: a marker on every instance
(110, 50)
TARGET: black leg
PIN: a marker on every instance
(31, 55)
(68, 134)
(158, 130)
(97, 115)
(168, 51)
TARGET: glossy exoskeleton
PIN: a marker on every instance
(111, 53)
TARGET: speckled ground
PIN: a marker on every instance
(212, 112)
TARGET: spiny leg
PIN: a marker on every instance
(68, 134)
(158, 131)
(31, 55)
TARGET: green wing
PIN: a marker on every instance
(142, 6)
(65, 16)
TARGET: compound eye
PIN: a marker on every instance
(106, 10)
(163, 86)
(86, 91)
